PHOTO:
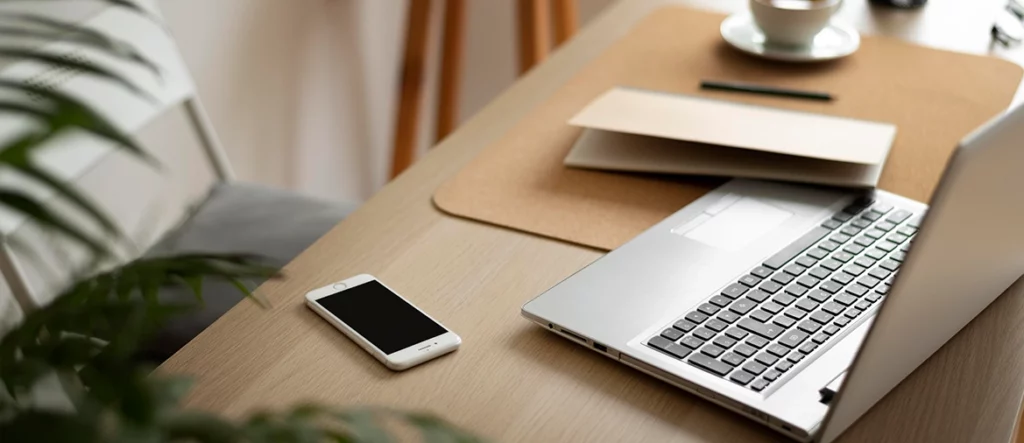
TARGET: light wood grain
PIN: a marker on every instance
(512, 381)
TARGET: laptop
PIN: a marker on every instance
(798, 306)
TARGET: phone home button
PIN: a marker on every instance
(340, 286)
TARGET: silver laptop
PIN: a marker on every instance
(800, 307)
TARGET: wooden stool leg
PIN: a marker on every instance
(566, 14)
(451, 66)
(413, 66)
(534, 33)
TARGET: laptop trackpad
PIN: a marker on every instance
(743, 222)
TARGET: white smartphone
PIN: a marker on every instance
(383, 323)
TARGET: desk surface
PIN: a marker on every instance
(512, 381)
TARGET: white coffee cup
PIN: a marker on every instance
(793, 22)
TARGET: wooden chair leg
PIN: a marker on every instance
(451, 67)
(566, 14)
(534, 33)
(413, 66)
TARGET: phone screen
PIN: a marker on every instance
(381, 317)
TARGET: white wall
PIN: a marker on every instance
(304, 92)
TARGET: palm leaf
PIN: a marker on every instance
(74, 65)
(80, 36)
(19, 202)
(128, 4)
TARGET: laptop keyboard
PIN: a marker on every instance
(757, 329)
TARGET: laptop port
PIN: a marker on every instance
(600, 347)
(573, 335)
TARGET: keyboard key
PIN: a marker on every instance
(861, 223)
(820, 338)
(782, 278)
(865, 262)
(858, 205)
(667, 346)
(783, 321)
(794, 269)
(839, 238)
(864, 241)
(808, 281)
(831, 264)
(742, 306)
(757, 341)
(850, 230)
(716, 325)
(684, 325)
(887, 246)
(873, 297)
(852, 312)
(712, 351)
(842, 278)
(728, 316)
(795, 357)
(709, 364)
(853, 248)
(757, 296)
(772, 307)
(907, 231)
(820, 273)
(916, 221)
(808, 326)
(808, 347)
(875, 253)
(772, 375)
(854, 269)
(733, 358)
(704, 334)
(899, 256)
(889, 265)
(844, 299)
(770, 287)
(842, 256)
(796, 313)
(868, 281)
(782, 299)
(899, 216)
(831, 287)
(734, 290)
(793, 339)
(793, 249)
(881, 207)
(696, 317)
(818, 253)
(806, 261)
(672, 334)
(871, 216)
(767, 331)
(761, 315)
(885, 226)
(778, 350)
(828, 245)
(831, 224)
(818, 295)
(759, 385)
(833, 308)
(807, 304)
(708, 309)
(754, 367)
(822, 317)
(857, 290)
(741, 377)
(720, 301)
(761, 272)
(736, 333)
(692, 342)
(796, 290)
(841, 321)
(863, 305)
(783, 366)
(875, 234)
(724, 342)
(831, 329)
(745, 350)
(766, 359)
(750, 280)
(897, 238)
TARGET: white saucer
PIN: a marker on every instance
(835, 41)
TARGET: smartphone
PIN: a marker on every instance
(383, 323)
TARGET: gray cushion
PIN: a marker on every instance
(238, 218)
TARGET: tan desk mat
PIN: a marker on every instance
(934, 97)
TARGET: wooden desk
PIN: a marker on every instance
(512, 381)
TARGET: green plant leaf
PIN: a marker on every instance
(67, 192)
(75, 65)
(435, 430)
(48, 30)
(24, 204)
(128, 4)
(196, 426)
(364, 426)
(34, 426)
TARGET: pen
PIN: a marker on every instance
(766, 90)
